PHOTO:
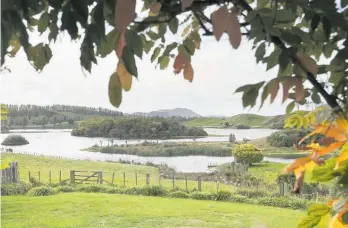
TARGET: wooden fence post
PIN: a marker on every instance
(49, 177)
(100, 177)
(113, 178)
(39, 176)
(173, 180)
(124, 179)
(199, 183)
(136, 179)
(186, 183)
(217, 184)
(147, 179)
(60, 176)
(29, 176)
(281, 188)
(159, 179)
(72, 176)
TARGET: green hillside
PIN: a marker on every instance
(249, 120)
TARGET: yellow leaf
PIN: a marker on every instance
(233, 30)
(124, 13)
(115, 90)
(220, 20)
(124, 75)
(324, 221)
(186, 30)
(336, 221)
(186, 3)
(342, 157)
(300, 162)
(155, 9)
(342, 123)
(307, 63)
(4, 165)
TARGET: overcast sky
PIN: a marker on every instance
(218, 71)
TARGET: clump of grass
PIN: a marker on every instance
(41, 191)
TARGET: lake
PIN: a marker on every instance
(61, 143)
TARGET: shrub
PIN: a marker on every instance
(64, 189)
(222, 196)
(132, 191)
(114, 190)
(288, 137)
(201, 196)
(14, 140)
(247, 154)
(179, 194)
(284, 202)
(41, 191)
(239, 199)
(92, 188)
(15, 189)
(154, 191)
(34, 182)
(252, 193)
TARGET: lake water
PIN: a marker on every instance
(61, 143)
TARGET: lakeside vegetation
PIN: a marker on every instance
(151, 149)
(98, 209)
(135, 128)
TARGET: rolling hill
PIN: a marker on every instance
(181, 112)
(249, 120)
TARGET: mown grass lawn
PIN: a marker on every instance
(92, 210)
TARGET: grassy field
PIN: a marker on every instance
(87, 210)
(34, 164)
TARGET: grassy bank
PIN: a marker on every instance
(148, 149)
(102, 210)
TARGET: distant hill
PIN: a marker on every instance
(181, 112)
(249, 120)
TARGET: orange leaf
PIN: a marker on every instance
(335, 132)
(307, 63)
(327, 141)
(342, 157)
(233, 30)
(220, 19)
(120, 44)
(342, 123)
(188, 72)
(124, 76)
(318, 128)
(124, 13)
(186, 3)
(330, 148)
(273, 89)
(179, 62)
(299, 90)
(337, 222)
(155, 9)
(286, 86)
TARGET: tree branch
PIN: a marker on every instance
(331, 100)
(207, 32)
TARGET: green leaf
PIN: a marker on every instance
(262, 3)
(43, 22)
(129, 61)
(316, 98)
(115, 90)
(336, 77)
(328, 49)
(284, 60)
(53, 32)
(344, 3)
(272, 60)
(148, 46)
(327, 27)
(190, 46)
(309, 222)
(173, 25)
(108, 44)
(169, 48)
(264, 95)
(155, 54)
(318, 209)
(251, 16)
(40, 55)
(163, 61)
(290, 38)
(152, 35)
(285, 16)
(290, 107)
(260, 52)
(162, 28)
(315, 22)
(136, 44)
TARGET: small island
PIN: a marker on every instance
(136, 128)
(14, 140)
